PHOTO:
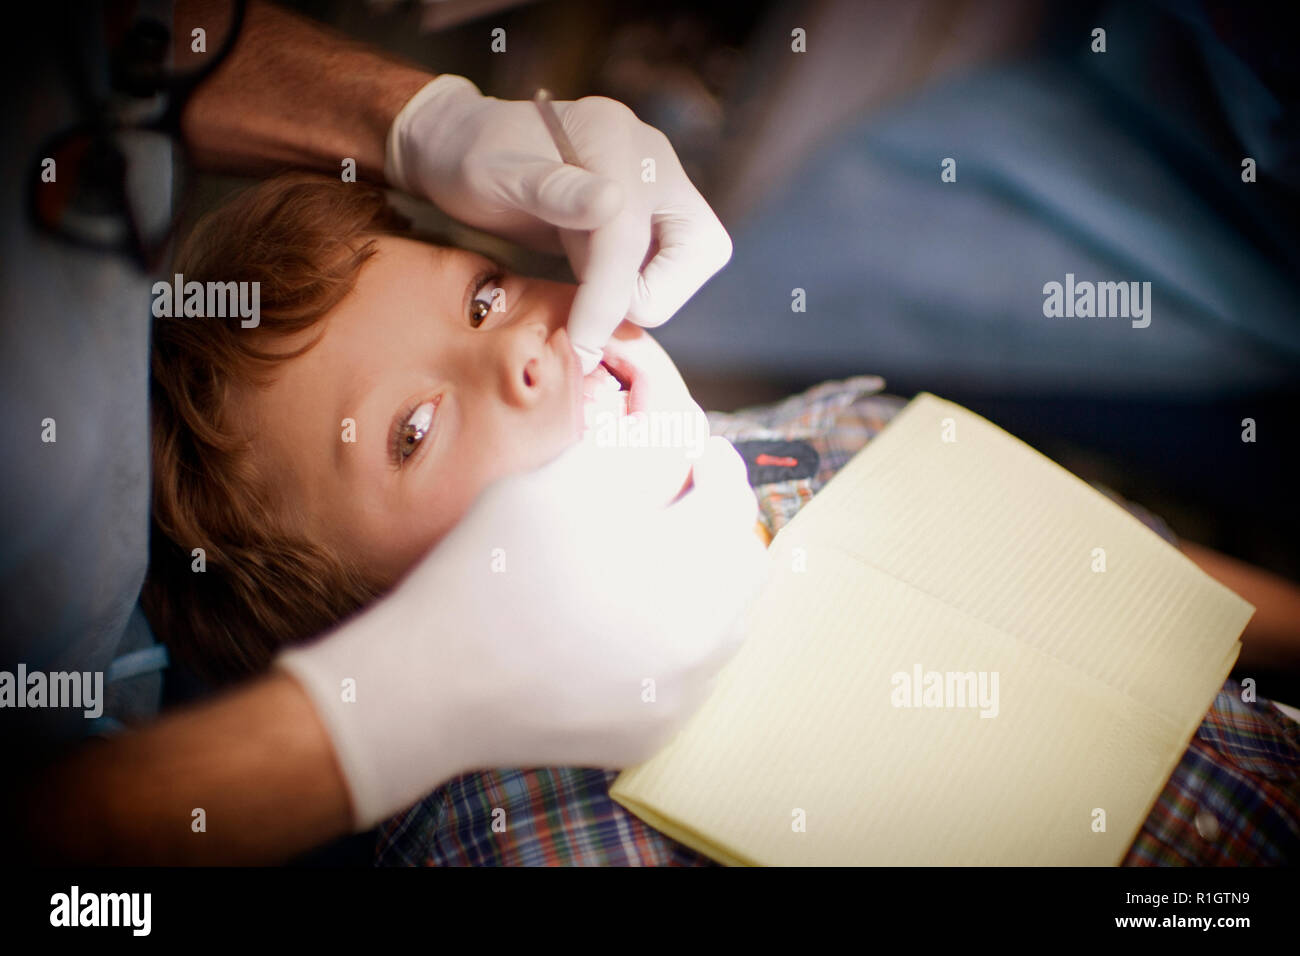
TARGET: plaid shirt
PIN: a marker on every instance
(1233, 799)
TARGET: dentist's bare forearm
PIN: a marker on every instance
(292, 92)
(256, 761)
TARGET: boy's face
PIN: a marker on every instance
(441, 407)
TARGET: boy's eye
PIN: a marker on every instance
(414, 430)
(481, 304)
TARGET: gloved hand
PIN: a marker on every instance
(526, 637)
(491, 164)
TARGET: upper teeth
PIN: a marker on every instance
(601, 380)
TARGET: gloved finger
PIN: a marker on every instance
(693, 245)
(567, 197)
(609, 272)
(723, 507)
(721, 499)
(723, 621)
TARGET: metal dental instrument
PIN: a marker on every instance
(542, 100)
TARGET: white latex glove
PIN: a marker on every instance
(491, 164)
(545, 661)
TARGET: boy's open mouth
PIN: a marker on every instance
(604, 381)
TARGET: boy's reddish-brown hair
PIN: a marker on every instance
(304, 238)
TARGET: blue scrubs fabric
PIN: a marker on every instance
(1062, 168)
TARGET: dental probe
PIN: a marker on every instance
(542, 100)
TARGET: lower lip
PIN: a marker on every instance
(599, 381)
(597, 391)
(630, 377)
(599, 401)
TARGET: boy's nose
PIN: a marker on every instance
(529, 368)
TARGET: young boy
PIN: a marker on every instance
(316, 453)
